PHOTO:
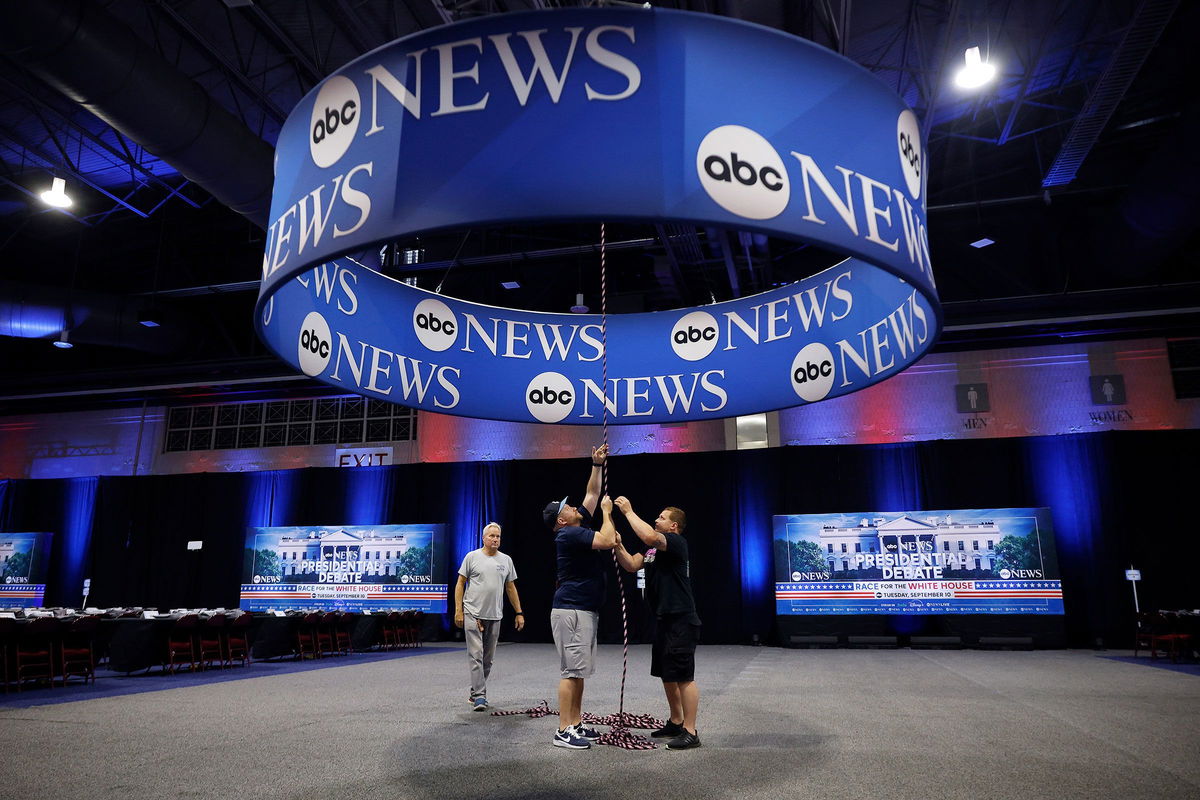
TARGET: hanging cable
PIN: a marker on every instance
(453, 262)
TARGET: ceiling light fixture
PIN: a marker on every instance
(57, 195)
(149, 319)
(510, 284)
(975, 72)
(579, 307)
(63, 343)
(984, 242)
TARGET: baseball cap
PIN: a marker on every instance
(550, 512)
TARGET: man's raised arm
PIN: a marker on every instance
(644, 531)
(606, 538)
(599, 456)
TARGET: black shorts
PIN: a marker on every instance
(674, 655)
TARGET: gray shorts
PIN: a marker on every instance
(575, 639)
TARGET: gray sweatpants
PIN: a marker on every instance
(481, 647)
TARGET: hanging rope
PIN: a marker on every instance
(619, 724)
(618, 735)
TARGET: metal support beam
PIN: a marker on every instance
(229, 68)
(1140, 37)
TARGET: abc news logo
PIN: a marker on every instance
(910, 153)
(435, 324)
(694, 335)
(1007, 573)
(743, 173)
(315, 345)
(908, 145)
(334, 120)
(550, 397)
(428, 322)
(311, 341)
(812, 372)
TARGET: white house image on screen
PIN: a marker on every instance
(377, 555)
(7, 550)
(961, 545)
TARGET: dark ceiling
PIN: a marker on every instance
(1080, 162)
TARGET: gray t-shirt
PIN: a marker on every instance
(486, 576)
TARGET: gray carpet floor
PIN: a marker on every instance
(775, 723)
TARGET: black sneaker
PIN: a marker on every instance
(670, 730)
(684, 741)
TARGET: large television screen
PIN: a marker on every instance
(965, 561)
(24, 558)
(347, 567)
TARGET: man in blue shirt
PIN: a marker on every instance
(576, 607)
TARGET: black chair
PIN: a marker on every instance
(181, 645)
(35, 649)
(212, 641)
(237, 639)
(77, 654)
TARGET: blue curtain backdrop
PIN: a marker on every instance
(73, 545)
(895, 477)
(1117, 500)
(269, 497)
(1069, 475)
(368, 496)
(753, 508)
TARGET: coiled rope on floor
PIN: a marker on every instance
(619, 734)
(641, 721)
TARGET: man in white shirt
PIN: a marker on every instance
(485, 576)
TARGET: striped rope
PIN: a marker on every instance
(642, 721)
(618, 736)
(620, 723)
(604, 469)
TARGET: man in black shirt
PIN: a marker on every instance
(669, 592)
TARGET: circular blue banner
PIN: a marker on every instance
(629, 114)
